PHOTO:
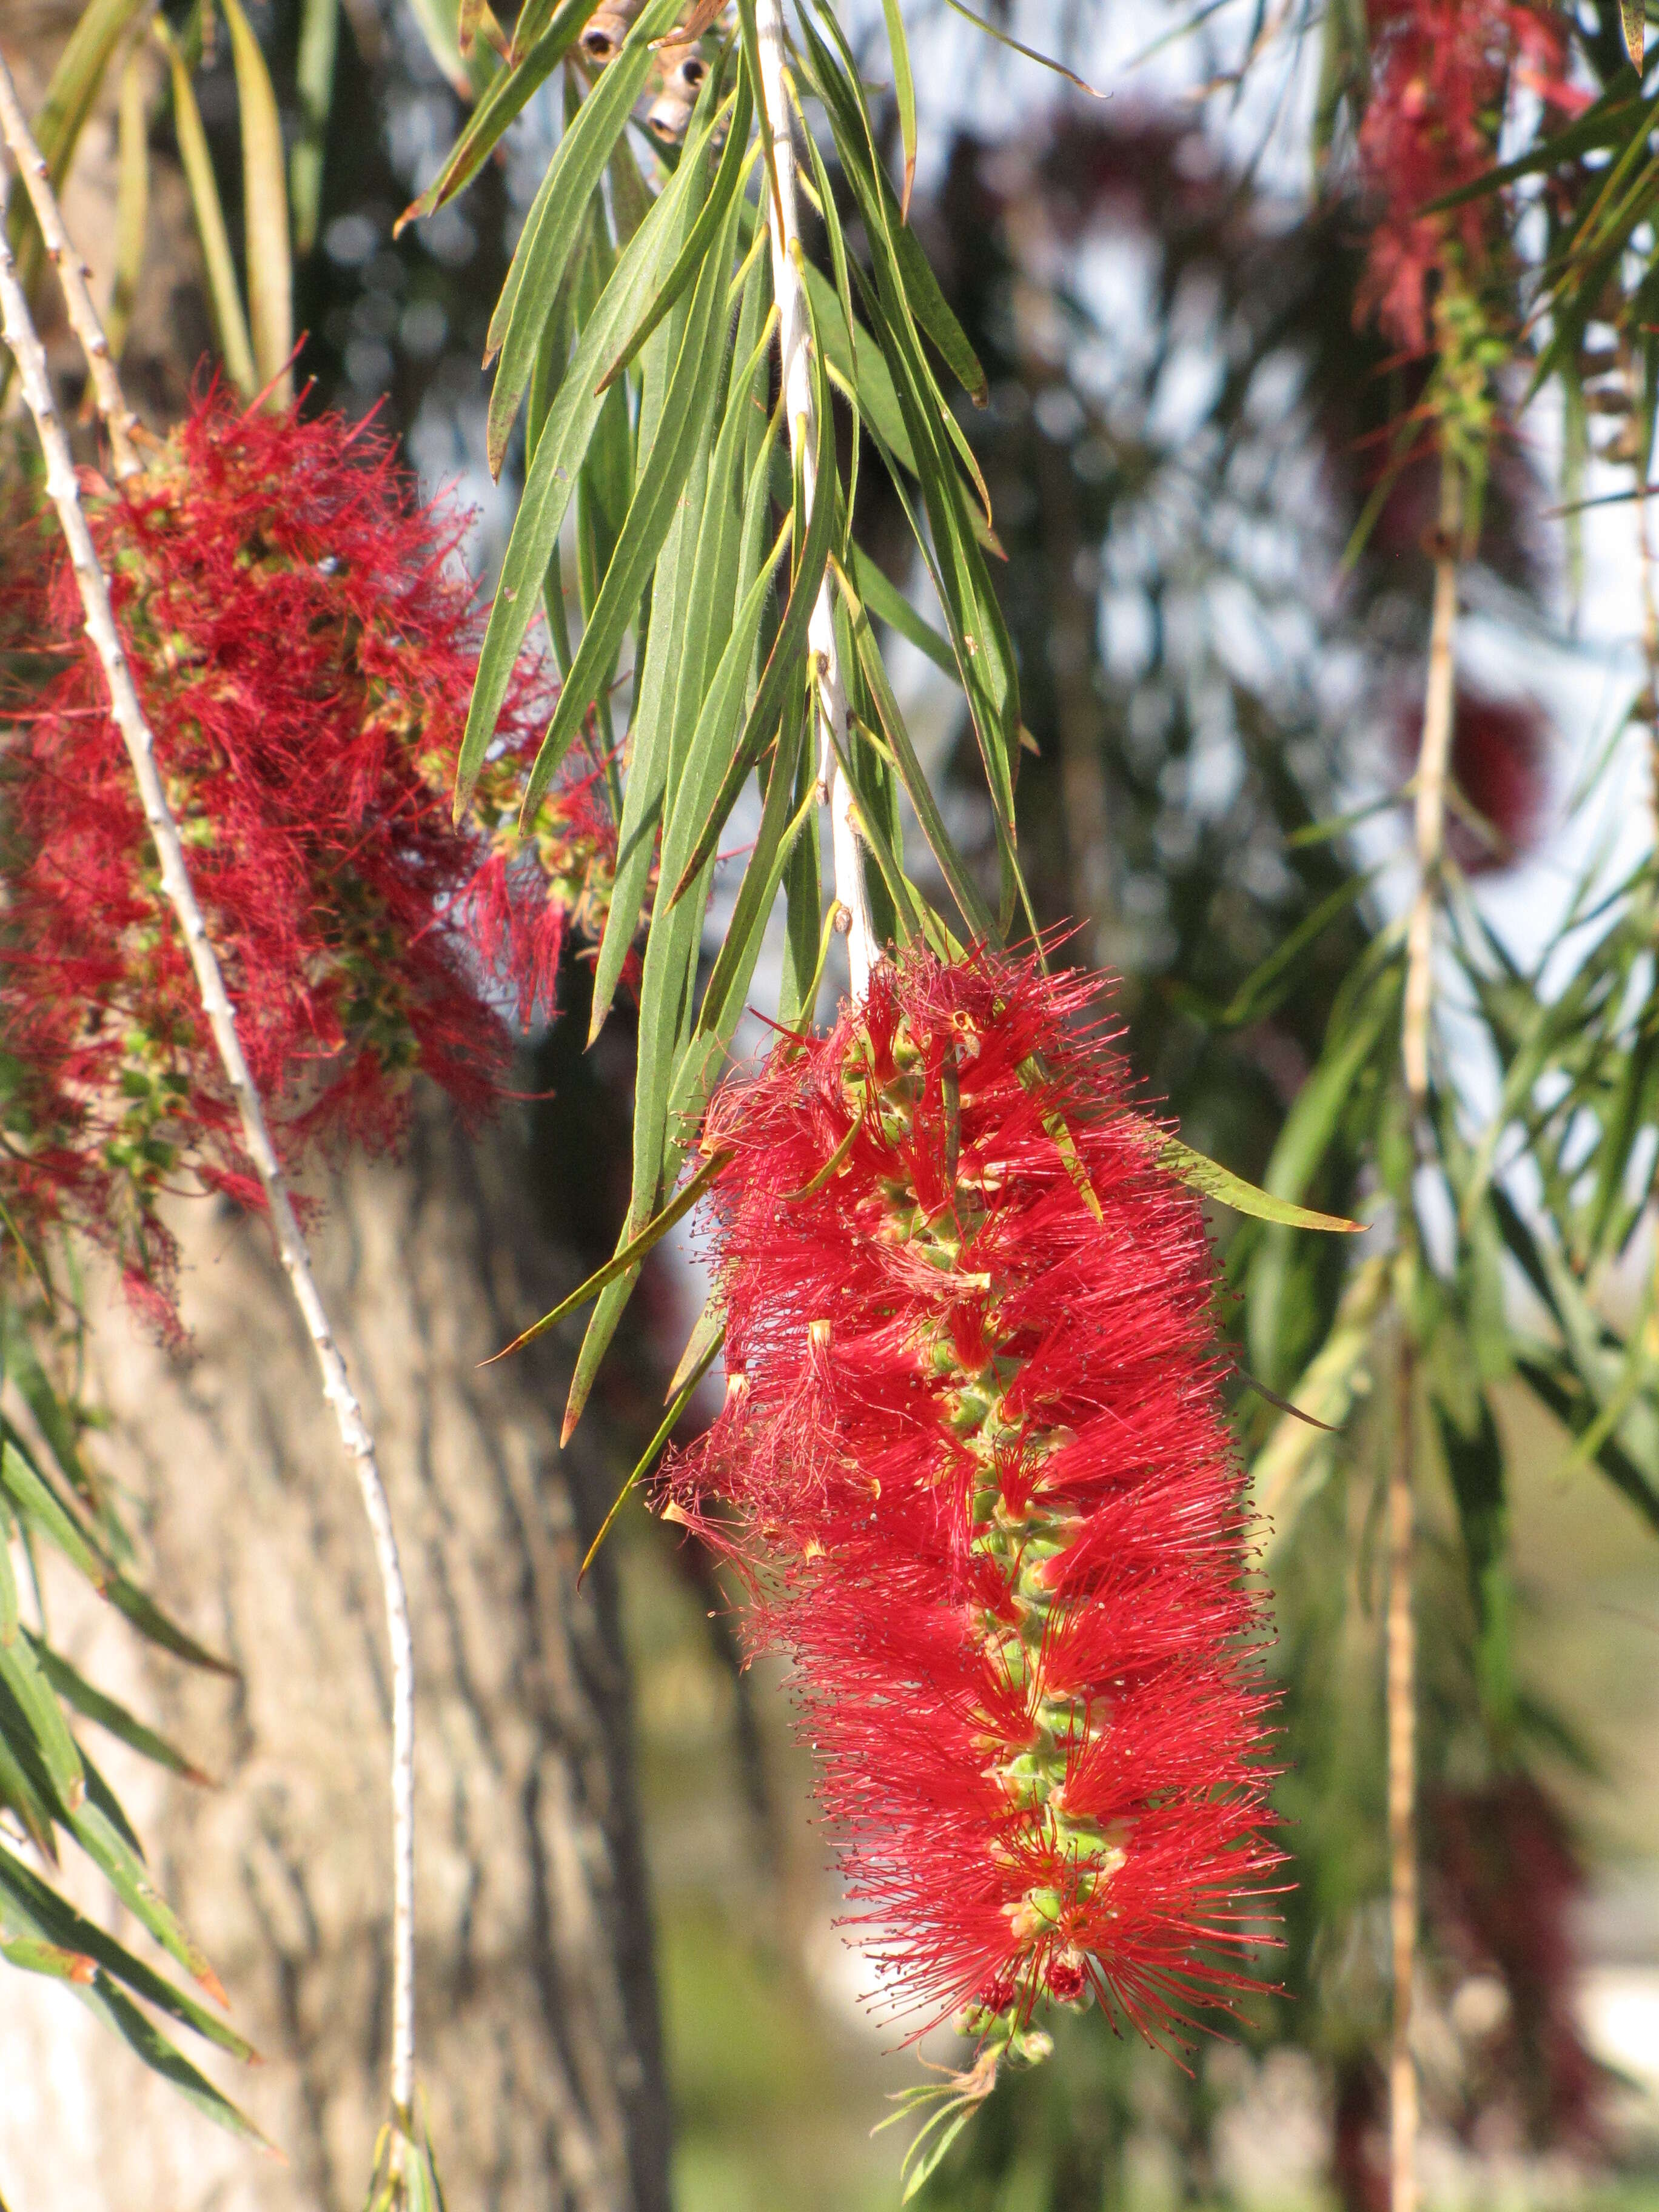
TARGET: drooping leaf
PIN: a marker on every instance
(550, 480)
(132, 203)
(224, 296)
(264, 212)
(313, 80)
(551, 227)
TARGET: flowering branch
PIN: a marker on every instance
(794, 342)
(119, 420)
(18, 328)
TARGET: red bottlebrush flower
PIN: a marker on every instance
(304, 643)
(1440, 77)
(1500, 767)
(974, 1460)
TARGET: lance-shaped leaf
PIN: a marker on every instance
(264, 212)
(507, 95)
(552, 227)
(224, 297)
(670, 1081)
(784, 663)
(71, 93)
(697, 581)
(132, 203)
(661, 479)
(904, 95)
(952, 866)
(74, 1690)
(628, 1257)
(25, 1695)
(313, 80)
(551, 481)
(737, 158)
(648, 1457)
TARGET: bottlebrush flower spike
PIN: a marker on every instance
(304, 643)
(974, 1462)
(1441, 76)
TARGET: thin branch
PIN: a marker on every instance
(119, 420)
(1433, 773)
(62, 490)
(1433, 765)
(1401, 1640)
(794, 344)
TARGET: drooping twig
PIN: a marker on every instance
(1401, 1634)
(1433, 770)
(119, 421)
(21, 336)
(794, 343)
(1433, 766)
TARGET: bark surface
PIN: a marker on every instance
(539, 2047)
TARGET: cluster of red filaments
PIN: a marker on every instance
(974, 1462)
(304, 641)
(1442, 72)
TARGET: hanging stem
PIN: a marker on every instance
(62, 489)
(1433, 762)
(794, 342)
(1401, 1638)
(119, 420)
(1433, 767)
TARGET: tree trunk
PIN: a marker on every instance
(538, 2032)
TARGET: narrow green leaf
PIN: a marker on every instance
(30, 1954)
(229, 322)
(856, 361)
(507, 95)
(159, 1628)
(313, 80)
(38, 1503)
(954, 868)
(904, 93)
(1267, 986)
(786, 663)
(648, 1457)
(20, 1675)
(265, 213)
(132, 203)
(71, 93)
(101, 1839)
(663, 471)
(550, 480)
(921, 289)
(31, 1906)
(9, 1615)
(77, 1691)
(884, 599)
(781, 822)
(737, 157)
(620, 1262)
(722, 708)
(552, 227)
(145, 2039)
(1031, 53)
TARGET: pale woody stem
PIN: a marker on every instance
(128, 714)
(1401, 1664)
(1433, 771)
(119, 420)
(794, 349)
